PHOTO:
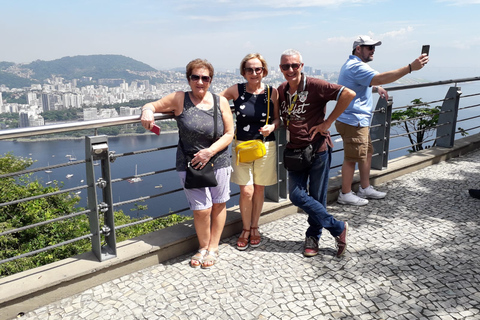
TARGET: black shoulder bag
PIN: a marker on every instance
(204, 177)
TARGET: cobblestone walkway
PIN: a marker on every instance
(413, 255)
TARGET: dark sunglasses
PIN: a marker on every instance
(294, 66)
(195, 78)
(256, 70)
(369, 47)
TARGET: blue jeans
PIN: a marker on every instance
(314, 199)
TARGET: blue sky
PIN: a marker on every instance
(169, 33)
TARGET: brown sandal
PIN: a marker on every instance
(242, 242)
(254, 240)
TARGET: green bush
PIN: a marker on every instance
(43, 209)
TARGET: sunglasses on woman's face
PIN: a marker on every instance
(257, 70)
(287, 66)
(196, 78)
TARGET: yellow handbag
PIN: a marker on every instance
(252, 150)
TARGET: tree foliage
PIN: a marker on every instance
(30, 212)
(419, 121)
(61, 115)
(95, 66)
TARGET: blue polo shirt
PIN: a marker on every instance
(357, 75)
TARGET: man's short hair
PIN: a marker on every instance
(291, 52)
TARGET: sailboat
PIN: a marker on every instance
(135, 178)
(48, 171)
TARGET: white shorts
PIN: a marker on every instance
(203, 198)
(262, 172)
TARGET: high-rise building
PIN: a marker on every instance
(89, 114)
(35, 120)
(46, 101)
(1, 99)
(32, 98)
(23, 119)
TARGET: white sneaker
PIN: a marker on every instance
(371, 193)
(351, 198)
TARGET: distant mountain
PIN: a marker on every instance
(94, 66)
(13, 81)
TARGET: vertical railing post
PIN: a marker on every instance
(447, 120)
(278, 192)
(96, 149)
(380, 133)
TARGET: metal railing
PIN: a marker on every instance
(100, 200)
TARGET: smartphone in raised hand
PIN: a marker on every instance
(155, 129)
(426, 49)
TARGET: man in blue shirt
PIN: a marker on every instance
(353, 124)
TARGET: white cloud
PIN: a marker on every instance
(241, 16)
(397, 33)
(314, 3)
(288, 3)
(465, 45)
(394, 34)
(460, 2)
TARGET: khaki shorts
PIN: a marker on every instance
(262, 172)
(357, 143)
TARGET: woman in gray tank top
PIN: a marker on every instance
(194, 113)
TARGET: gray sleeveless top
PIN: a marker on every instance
(195, 130)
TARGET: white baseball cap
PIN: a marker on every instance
(365, 41)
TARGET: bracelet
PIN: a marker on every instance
(143, 109)
(410, 67)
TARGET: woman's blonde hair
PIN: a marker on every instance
(254, 56)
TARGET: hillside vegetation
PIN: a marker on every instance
(76, 67)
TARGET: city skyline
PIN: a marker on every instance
(167, 34)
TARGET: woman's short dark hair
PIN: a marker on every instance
(199, 63)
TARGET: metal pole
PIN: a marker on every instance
(278, 192)
(96, 149)
(381, 131)
(447, 120)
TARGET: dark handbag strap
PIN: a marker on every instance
(215, 114)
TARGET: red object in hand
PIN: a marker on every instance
(155, 129)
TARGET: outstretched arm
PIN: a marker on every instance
(394, 75)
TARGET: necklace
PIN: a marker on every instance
(254, 93)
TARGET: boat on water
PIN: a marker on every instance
(159, 186)
(135, 178)
(96, 163)
(71, 157)
(48, 171)
(69, 175)
(48, 182)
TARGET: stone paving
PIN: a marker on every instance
(413, 255)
